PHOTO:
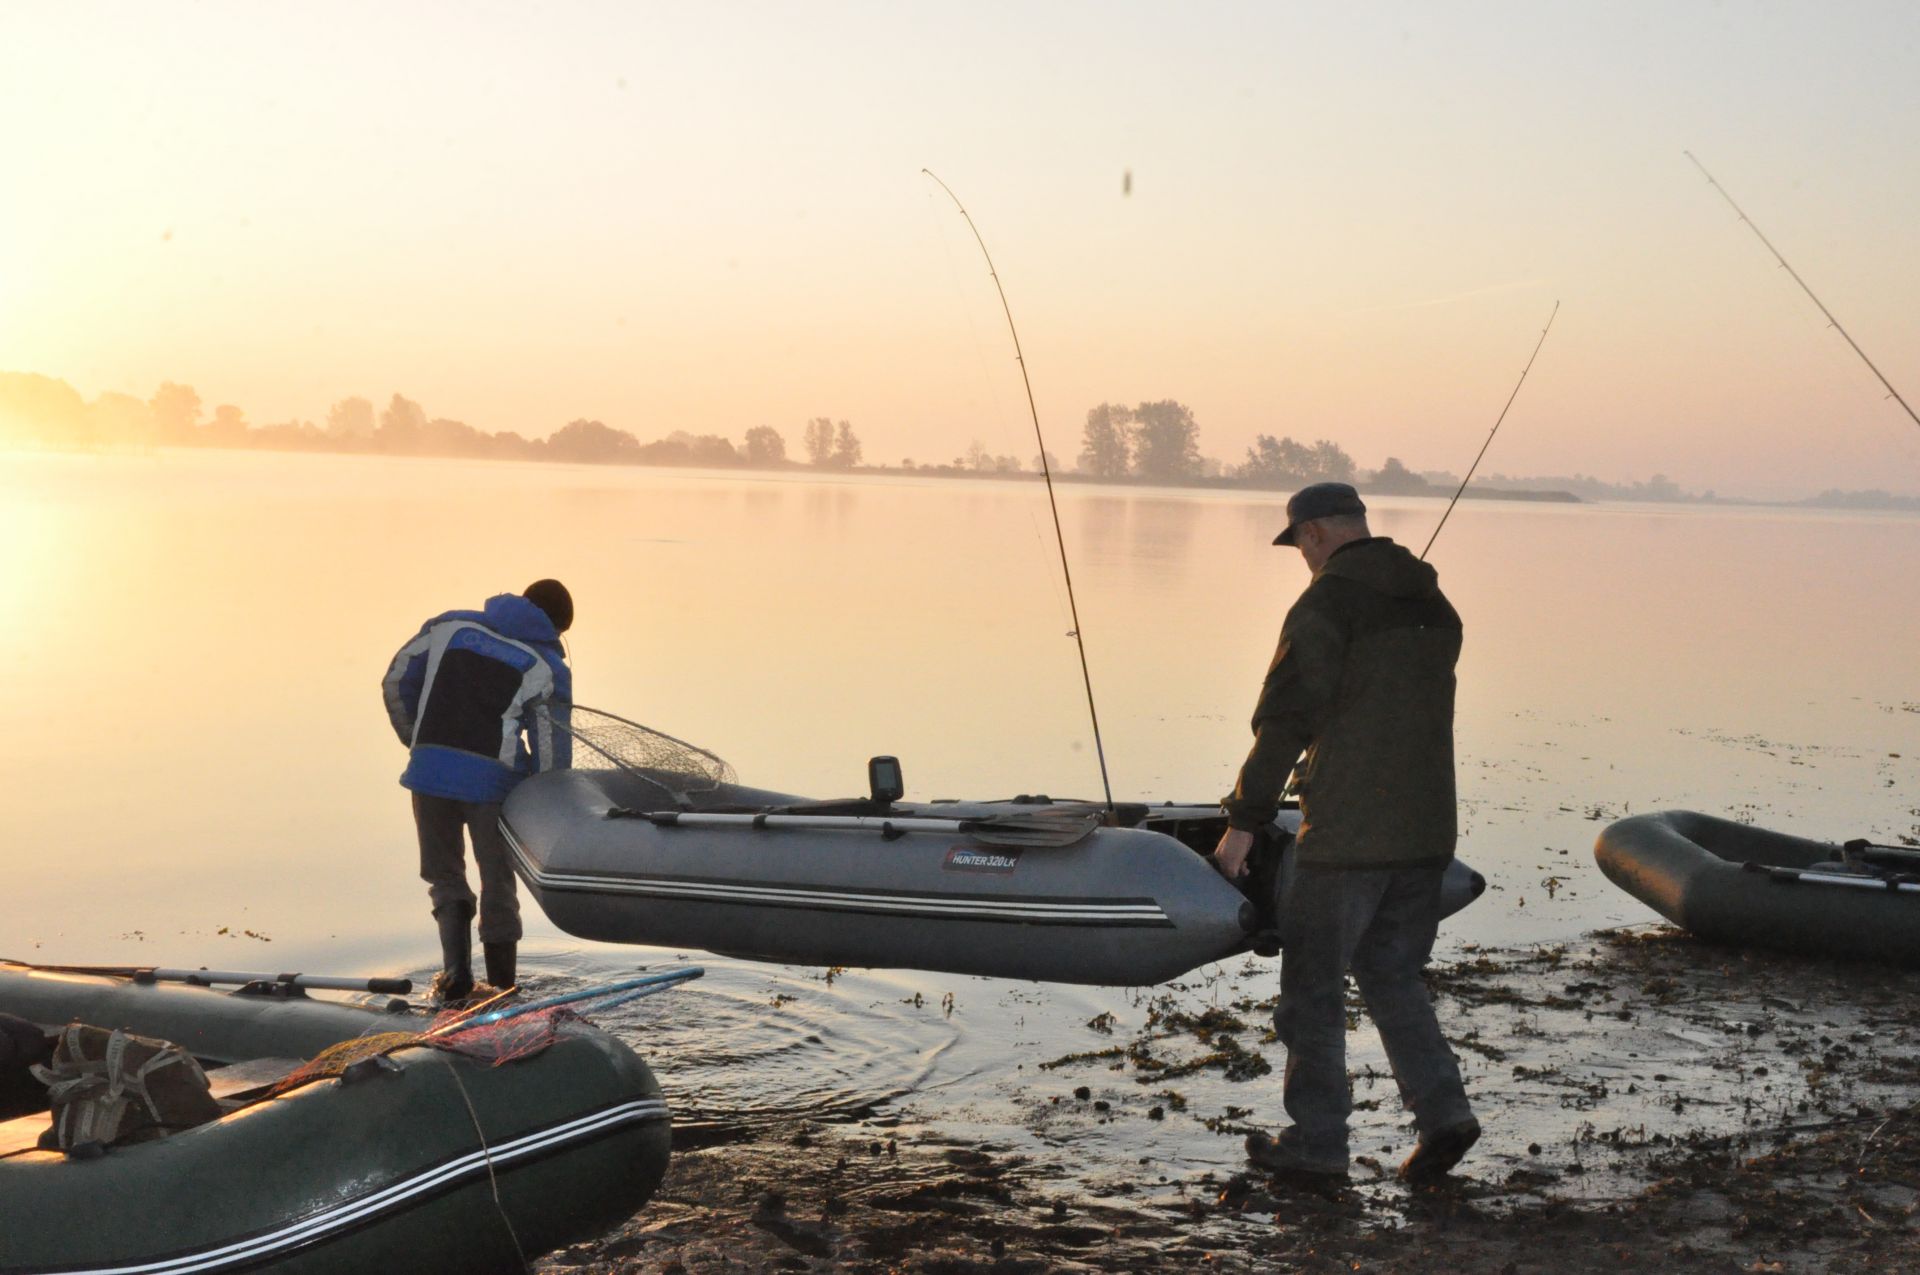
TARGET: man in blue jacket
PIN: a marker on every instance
(480, 698)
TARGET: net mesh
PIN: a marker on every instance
(498, 1043)
(603, 741)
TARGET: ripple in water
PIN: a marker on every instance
(751, 1044)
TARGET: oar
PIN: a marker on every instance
(225, 978)
(645, 985)
(1873, 852)
(1796, 876)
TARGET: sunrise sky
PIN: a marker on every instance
(1345, 221)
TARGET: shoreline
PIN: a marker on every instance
(1647, 1098)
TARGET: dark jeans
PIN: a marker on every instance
(1380, 924)
(440, 821)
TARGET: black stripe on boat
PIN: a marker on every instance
(364, 1210)
(1015, 909)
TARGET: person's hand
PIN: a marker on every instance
(1230, 856)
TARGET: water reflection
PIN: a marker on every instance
(199, 745)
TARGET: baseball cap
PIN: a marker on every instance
(1319, 500)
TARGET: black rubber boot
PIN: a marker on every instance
(499, 964)
(454, 983)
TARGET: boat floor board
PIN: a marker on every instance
(254, 1073)
(22, 1134)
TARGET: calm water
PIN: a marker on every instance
(199, 769)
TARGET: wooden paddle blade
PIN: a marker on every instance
(1050, 829)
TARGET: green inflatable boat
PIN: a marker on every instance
(453, 1156)
(1738, 884)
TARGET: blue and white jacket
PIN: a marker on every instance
(463, 691)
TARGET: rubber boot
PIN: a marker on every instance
(499, 964)
(454, 983)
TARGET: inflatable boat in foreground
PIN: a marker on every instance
(390, 1164)
(1737, 884)
(1028, 888)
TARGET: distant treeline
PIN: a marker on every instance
(42, 411)
(1149, 442)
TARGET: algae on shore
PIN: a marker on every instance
(1647, 1098)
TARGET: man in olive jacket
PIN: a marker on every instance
(1362, 685)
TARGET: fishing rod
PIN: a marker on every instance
(636, 987)
(1046, 471)
(1495, 430)
(1891, 392)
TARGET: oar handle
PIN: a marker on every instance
(310, 982)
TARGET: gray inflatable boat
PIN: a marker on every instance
(1737, 884)
(1028, 888)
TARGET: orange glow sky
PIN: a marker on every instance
(1345, 221)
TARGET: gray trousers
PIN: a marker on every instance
(1380, 924)
(440, 822)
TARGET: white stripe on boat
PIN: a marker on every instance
(318, 1226)
(923, 905)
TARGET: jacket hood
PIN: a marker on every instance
(511, 615)
(1385, 567)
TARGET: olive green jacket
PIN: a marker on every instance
(1362, 684)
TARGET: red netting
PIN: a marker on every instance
(498, 1043)
(507, 1041)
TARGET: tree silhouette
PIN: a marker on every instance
(1396, 477)
(176, 411)
(1103, 444)
(350, 420)
(765, 446)
(1166, 440)
(39, 409)
(846, 447)
(590, 441)
(120, 418)
(401, 425)
(1282, 462)
(443, 437)
(819, 441)
(228, 428)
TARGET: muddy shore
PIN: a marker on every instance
(1647, 1098)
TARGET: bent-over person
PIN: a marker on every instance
(480, 700)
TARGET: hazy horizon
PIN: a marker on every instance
(1665, 488)
(1315, 222)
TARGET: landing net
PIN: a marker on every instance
(495, 1043)
(485, 1031)
(603, 741)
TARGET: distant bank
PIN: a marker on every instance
(1214, 483)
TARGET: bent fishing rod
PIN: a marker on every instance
(1046, 471)
(1495, 430)
(1891, 392)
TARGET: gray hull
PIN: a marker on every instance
(1125, 906)
(388, 1173)
(1690, 868)
(216, 1027)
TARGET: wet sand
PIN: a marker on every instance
(1647, 1099)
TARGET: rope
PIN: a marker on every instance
(487, 1151)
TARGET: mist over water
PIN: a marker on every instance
(198, 639)
(198, 740)
(200, 771)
